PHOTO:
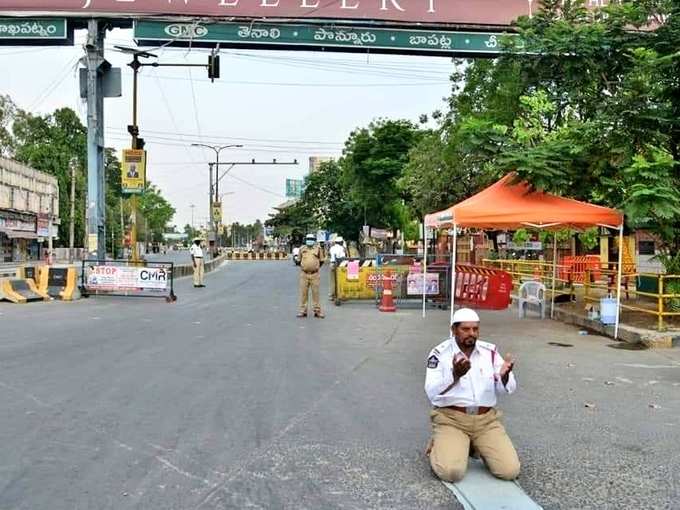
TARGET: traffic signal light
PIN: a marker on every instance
(213, 66)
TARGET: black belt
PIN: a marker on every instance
(310, 272)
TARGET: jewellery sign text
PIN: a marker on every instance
(477, 12)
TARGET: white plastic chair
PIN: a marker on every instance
(531, 293)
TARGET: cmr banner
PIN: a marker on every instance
(133, 171)
(432, 12)
(121, 279)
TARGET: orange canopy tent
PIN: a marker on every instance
(510, 204)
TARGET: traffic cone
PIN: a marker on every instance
(387, 301)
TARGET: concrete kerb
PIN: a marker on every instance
(629, 334)
(185, 270)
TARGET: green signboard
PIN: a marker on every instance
(342, 38)
(24, 29)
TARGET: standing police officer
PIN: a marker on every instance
(311, 260)
(197, 260)
(337, 253)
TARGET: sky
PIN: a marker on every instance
(278, 105)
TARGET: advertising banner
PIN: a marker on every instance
(120, 279)
(432, 12)
(133, 171)
(217, 212)
(414, 284)
(43, 225)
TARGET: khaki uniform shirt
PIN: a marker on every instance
(310, 258)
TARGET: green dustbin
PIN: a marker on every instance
(648, 284)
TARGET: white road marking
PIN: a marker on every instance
(125, 446)
(624, 380)
(29, 396)
(641, 365)
(174, 468)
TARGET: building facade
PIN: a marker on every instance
(29, 206)
(316, 161)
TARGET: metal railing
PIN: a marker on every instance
(592, 284)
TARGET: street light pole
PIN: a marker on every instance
(215, 190)
(211, 225)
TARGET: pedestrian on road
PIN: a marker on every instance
(464, 375)
(311, 260)
(197, 260)
(338, 254)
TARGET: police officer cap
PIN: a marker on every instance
(465, 315)
(339, 239)
(310, 236)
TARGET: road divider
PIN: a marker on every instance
(250, 255)
(21, 290)
(182, 270)
(59, 282)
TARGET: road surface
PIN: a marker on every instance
(225, 401)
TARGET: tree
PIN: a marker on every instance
(373, 161)
(49, 143)
(7, 113)
(585, 104)
(156, 212)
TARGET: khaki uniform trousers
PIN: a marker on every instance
(198, 272)
(308, 280)
(452, 432)
(332, 288)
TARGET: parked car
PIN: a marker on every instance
(296, 255)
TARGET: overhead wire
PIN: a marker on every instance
(258, 150)
(271, 143)
(72, 65)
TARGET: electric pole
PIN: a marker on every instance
(213, 67)
(71, 226)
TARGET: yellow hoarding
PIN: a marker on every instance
(133, 171)
(217, 212)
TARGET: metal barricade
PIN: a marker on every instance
(126, 278)
(406, 275)
(355, 280)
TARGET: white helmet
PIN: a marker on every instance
(465, 315)
(339, 239)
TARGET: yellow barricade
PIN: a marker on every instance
(362, 287)
(59, 282)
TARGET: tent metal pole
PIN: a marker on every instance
(618, 284)
(453, 269)
(554, 272)
(426, 241)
